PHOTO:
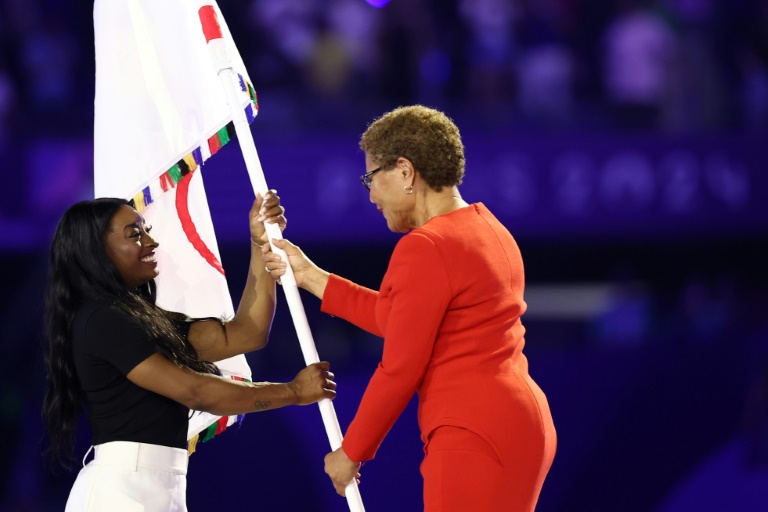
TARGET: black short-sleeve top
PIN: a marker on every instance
(107, 344)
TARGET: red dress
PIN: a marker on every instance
(449, 311)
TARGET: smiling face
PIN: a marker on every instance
(131, 248)
(387, 193)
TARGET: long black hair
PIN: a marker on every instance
(81, 270)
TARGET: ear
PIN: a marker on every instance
(405, 168)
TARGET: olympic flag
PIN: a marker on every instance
(171, 89)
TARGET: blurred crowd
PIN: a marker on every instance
(679, 66)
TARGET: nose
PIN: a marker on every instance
(149, 241)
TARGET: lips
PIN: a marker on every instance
(149, 258)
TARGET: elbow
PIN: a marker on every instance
(262, 340)
(195, 400)
(198, 397)
(248, 337)
(259, 339)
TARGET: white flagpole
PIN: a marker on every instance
(227, 76)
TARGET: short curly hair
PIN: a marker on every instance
(425, 136)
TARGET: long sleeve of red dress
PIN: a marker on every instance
(417, 296)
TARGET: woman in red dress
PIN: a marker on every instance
(449, 311)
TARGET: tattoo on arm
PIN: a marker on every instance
(263, 404)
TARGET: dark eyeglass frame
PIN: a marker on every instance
(366, 178)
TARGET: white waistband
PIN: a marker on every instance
(141, 455)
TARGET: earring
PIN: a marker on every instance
(408, 189)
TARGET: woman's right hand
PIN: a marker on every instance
(314, 383)
(308, 275)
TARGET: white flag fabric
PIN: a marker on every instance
(160, 113)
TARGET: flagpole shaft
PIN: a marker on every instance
(296, 307)
(227, 76)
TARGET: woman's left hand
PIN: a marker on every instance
(264, 210)
(341, 469)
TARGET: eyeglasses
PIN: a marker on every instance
(366, 178)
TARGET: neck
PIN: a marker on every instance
(431, 203)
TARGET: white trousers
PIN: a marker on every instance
(131, 477)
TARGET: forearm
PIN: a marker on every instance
(249, 329)
(224, 397)
(353, 303)
(315, 281)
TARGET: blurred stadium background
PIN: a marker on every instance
(623, 143)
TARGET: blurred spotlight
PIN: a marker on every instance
(377, 3)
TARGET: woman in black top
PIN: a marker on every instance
(138, 368)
